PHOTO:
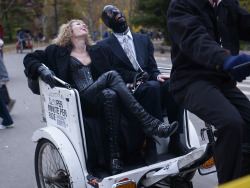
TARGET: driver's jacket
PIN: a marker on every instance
(202, 38)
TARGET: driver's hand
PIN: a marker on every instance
(162, 77)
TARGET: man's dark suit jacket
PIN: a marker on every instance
(119, 61)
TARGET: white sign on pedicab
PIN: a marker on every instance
(56, 111)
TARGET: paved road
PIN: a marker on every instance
(17, 149)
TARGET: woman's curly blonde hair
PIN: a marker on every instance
(65, 33)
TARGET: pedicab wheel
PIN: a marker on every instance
(50, 168)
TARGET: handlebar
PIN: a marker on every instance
(67, 85)
(242, 65)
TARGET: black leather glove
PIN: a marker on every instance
(47, 76)
(142, 76)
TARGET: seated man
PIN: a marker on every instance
(132, 55)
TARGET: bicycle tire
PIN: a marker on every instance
(50, 168)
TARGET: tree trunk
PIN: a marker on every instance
(5, 10)
(8, 28)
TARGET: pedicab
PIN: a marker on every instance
(24, 43)
(61, 153)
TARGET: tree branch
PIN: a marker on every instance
(6, 10)
(83, 13)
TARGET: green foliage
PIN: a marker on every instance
(151, 14)
(18, 16)
(245, 4)
(65, 9)
(39, 15)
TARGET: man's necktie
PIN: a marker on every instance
(129, 52)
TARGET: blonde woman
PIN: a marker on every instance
(73, 59)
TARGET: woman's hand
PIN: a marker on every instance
(47, 76)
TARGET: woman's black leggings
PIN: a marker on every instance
(113, 81)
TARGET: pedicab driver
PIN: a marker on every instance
(21, 36)
(204, 38)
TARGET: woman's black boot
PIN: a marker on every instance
(113, 80)
(109, 104)
(151, 125)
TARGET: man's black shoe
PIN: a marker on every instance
(163, 129)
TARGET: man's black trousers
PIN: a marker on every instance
(154, 97)
(228, 110)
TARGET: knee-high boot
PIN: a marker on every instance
(109, 104)
(112, 80)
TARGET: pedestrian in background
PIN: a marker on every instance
(106, 34)
(40, 36)
(4, 114)
(35, 38)
(3, 89)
